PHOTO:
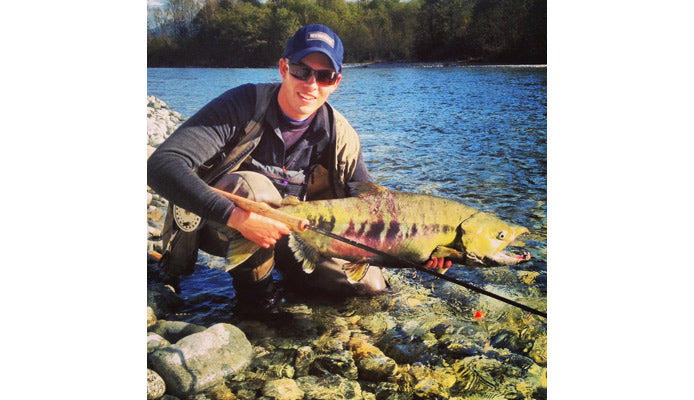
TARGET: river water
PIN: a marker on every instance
(476, 134)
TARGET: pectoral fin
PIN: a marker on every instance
(240, 249)
(355, 271)
(442, 270)
(303, 252)
(446, 252)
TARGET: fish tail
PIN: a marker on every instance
(355, 271)
(240, 249)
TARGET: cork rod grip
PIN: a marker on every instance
(296, 223)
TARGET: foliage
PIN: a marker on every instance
(238, 33)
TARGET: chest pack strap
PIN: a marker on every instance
(230, 159)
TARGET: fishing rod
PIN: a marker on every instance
(302, 224)
(426, 270)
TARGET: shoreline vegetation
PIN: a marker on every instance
(238, 34)
(396, 64)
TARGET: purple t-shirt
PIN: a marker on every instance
(291, 129)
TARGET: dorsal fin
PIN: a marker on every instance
(290, 201)
(361, 189)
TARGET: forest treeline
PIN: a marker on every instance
(237, 33)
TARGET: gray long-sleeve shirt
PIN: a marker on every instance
(170, 169)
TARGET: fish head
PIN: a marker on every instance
(485, 237)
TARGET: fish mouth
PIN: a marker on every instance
(510, 254)
(509, 258)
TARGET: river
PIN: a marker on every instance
(477, 134)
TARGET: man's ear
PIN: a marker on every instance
(284, 67)
(336, 84)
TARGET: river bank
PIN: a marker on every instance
(418, 342)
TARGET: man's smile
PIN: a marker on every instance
(307, 97)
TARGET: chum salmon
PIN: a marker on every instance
(410, 226)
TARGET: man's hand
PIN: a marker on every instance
(439, 263)
(261, 230)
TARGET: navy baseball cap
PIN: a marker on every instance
(315, 38)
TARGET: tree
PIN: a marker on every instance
(182, 13)
(509, 30)
(242, 33)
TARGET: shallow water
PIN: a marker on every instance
(473, 134)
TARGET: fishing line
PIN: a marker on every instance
(426, 270)
(302, 224)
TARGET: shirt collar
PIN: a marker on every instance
(316, 132)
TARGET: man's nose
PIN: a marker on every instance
(312, 80)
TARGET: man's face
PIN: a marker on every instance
(299, 99)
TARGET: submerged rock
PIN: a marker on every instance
(405, 348)
(372, 364)
(391, 391)
(283, 389)
(302, 361)
(278, 363)
(162, 299)
(377, 324)
(340, 363)
(202, 360)
(430, 388)
(217, 392)
(509, 340)
(539, 350)
(329, 388)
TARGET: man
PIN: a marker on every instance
(285, 132)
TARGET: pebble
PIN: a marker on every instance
(151, 317)
(155, 385)
(173, 331)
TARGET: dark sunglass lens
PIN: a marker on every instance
(325, 76)
(304, 72)
(300, 71)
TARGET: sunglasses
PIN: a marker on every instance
(303, 72)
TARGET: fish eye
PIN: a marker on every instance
(501, 235)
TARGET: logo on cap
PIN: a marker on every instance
(323, 37)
